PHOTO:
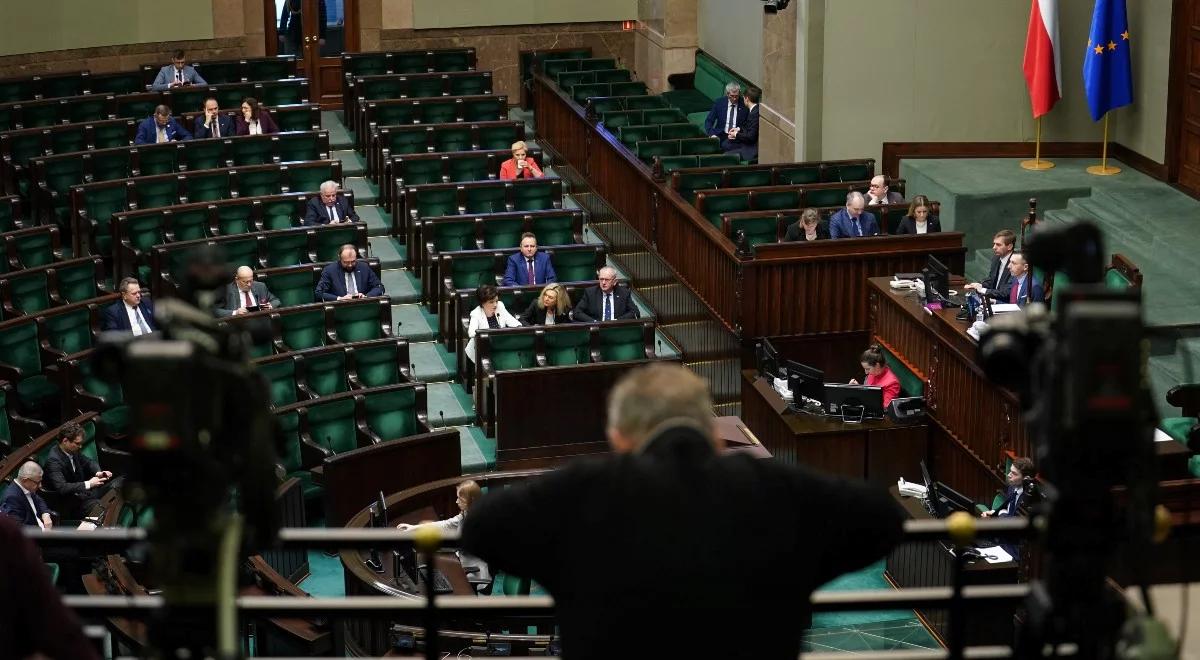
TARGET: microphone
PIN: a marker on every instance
(442, 418)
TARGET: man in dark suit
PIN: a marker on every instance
(132, 313)
(878, 193)
(1016, 495)
(348, 278)
(743, 140)
(329, 207)
(160, 127)
(666, 523)
(998, 281)
(529, 266)
(245, 293)
(853, 221)
(75, 479)
(606, 302)
(1025, 288)
(213, 123)
(727, 113)
(21, 500)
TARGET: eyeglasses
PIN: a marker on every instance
(608, 279)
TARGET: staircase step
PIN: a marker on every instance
(478, 450)
(414, 323)
(390, 254)
(724, 378)
(673, 301)
(339, 137)
(365, 193)
(448, 404)
(352, 163)
(430, 362)
(379, 222)
(401, 286)
(703, 340)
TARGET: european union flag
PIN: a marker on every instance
(1107, 70)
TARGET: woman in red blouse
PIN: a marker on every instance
(878, 374)
(520, 166)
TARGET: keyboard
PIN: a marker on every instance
(440, 584)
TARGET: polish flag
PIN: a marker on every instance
(1043, 72)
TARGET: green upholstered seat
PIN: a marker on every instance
(568, 79)
(305, 329)
(430, 202)
(615, 119)
(291, 458)
(910, 383)
(774, 200)
(484, 109)
(240, 250)
(417, 171)
(582, 92)
(663, 116)
(392, 413)
(451, 235)
(603, 104)
(825, 196)
(116, 420)
(331, 424)
(260, 182)
(552, 67)
(297, 117)
(185, 225)
(497, 137)
(597, 64)
(575, 265)
(687, 183)
(468, 167)
(757, 230)
(505, 232)
(799, 174)
(308, 178)
(709, 79)
(393, 114)
(52, 569)
(679, 131)
(285, 248)
(379, 363)
(100, 204)
(232, 219)
(712, 206)
(109, 393)
(1178, 427)
(34, 247)
(408, 62)
(77, 280)
(438, 111)
(455, 138)
(325, 372)
(251, 151)
(472, 85)
(468, 272)
(29, 290)
(699, 146)
(848, 172)
(649, 149)
(631, 135)
(404, 141)
(358, 322)
(512, 351)
(294, 287)
(281, 379)
(7, 441)
(1116, 280)
(537, 194)
(69, 332)
(621, 343)
(485, 198)
(9, 213)
(748, 178)
(553, 229)
(568, 347)
(672, 163)
(612, 75)
(630, 88)
(19, 348)
(639, 102)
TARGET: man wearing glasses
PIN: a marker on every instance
(606, 302)
(76, 479)
(245, 294)
(21, 500)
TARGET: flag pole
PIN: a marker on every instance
(1037, 163)
(1103, 168)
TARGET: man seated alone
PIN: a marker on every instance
(529, 266)
(132, 313)
(520, 166)
(177, 74)
(729, 545)
(999, 279)
(743, 140)
(160, 127)
(245, 294)
(213, 123)
(21, 500)
(348, 278)
(76, 479)
(878, 193)
(852, 221)
(606, 301)
(329, 208)
(727, 113)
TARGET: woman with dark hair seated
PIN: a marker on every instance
(551, 308)
(878, 374)
(920, 218)
(808, 228)
(254, 120)
(489, 314)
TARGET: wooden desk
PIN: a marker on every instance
(879, 451)
(930, 564)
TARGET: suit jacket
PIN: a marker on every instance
(115, 317)
(224, 122)
(147, 131)
(516, 274)
(893, 197)
(16, 507)
(842, 226)
(714, 123)
(233, 300)
(1011, 506)
(316, 213)
(265, 122)
(693, 514)
(998, 289)
(508, 170)
(745, 145)
(478, 321)
(795, 232)
(591, 305)
(166, 76)
(333, 281)
(909, 225)
(1029, 291)
(65, 480)
(535, 315)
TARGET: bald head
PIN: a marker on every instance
(244, 277)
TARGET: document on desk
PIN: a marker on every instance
(1000, 308)
(995, 554)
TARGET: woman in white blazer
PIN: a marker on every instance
(489, 314)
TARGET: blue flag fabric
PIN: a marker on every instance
(1107, 68)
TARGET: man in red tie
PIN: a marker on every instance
(245, 294)
(1025, 287)
(529, 266)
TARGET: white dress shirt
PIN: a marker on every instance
(134, 314)
(255, 127)
(32, 506)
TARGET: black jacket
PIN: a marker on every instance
(534, 315)
(678, 552)
(992, 289)
(591, 305)
(795, 232)
(316, 213)
(908, 225)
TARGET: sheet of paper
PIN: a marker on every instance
(996, 551)
(1000, 308)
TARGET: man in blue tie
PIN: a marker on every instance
(1025, 287)
(726, 114)
(852, 221)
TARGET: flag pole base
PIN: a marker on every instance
(1103, 170)
(1037, 164)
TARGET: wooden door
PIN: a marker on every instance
(1183, 113)
(317, 32)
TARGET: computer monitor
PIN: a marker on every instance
(854, 401)
(937, 279)
(951, 500)
(804, 380)
(404, 562)
(768, 359)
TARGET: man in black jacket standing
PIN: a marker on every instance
(668, 548)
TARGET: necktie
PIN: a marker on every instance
(607, 307)
(71, 460)
(730, 118)
(857, 228)
(141, 321)
(529, 268)
(1014, 291)
(246, 296)
(351, 289)
(216, 129)
(178, 76)
(162, 134)
(33, 507)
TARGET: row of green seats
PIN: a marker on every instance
(247, 69)
(438, 110)
(568, 79)
(388, 141)
(614, 119)
(296, 285)
(584, 91)
(770, 226)
(492, 231)
(631, 135)
(317, 372)
(687, 184)
(37, 289)
(319, 324)
(438, 199)
(598, 105)
(454, 308)
(16, 430)
(444, 273)
(412, 85)
(774, 174)
(648, 150)
(402, 170)
(30, 247)
(74, 83)
(551, 67)
(403, 61)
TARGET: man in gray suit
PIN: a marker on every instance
(244, 294)
(176, 74)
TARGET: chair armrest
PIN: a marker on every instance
(365, 436)
(312, 454)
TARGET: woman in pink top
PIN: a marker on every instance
(878, 374)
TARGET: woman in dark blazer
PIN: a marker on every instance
(254, 120)
(808, 228)
(551, 308)
(920, 218)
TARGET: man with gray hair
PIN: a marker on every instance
(606, 301)
(669, 524)
(852, 221)
(329, 208)
(727, 113)
(21, 501)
